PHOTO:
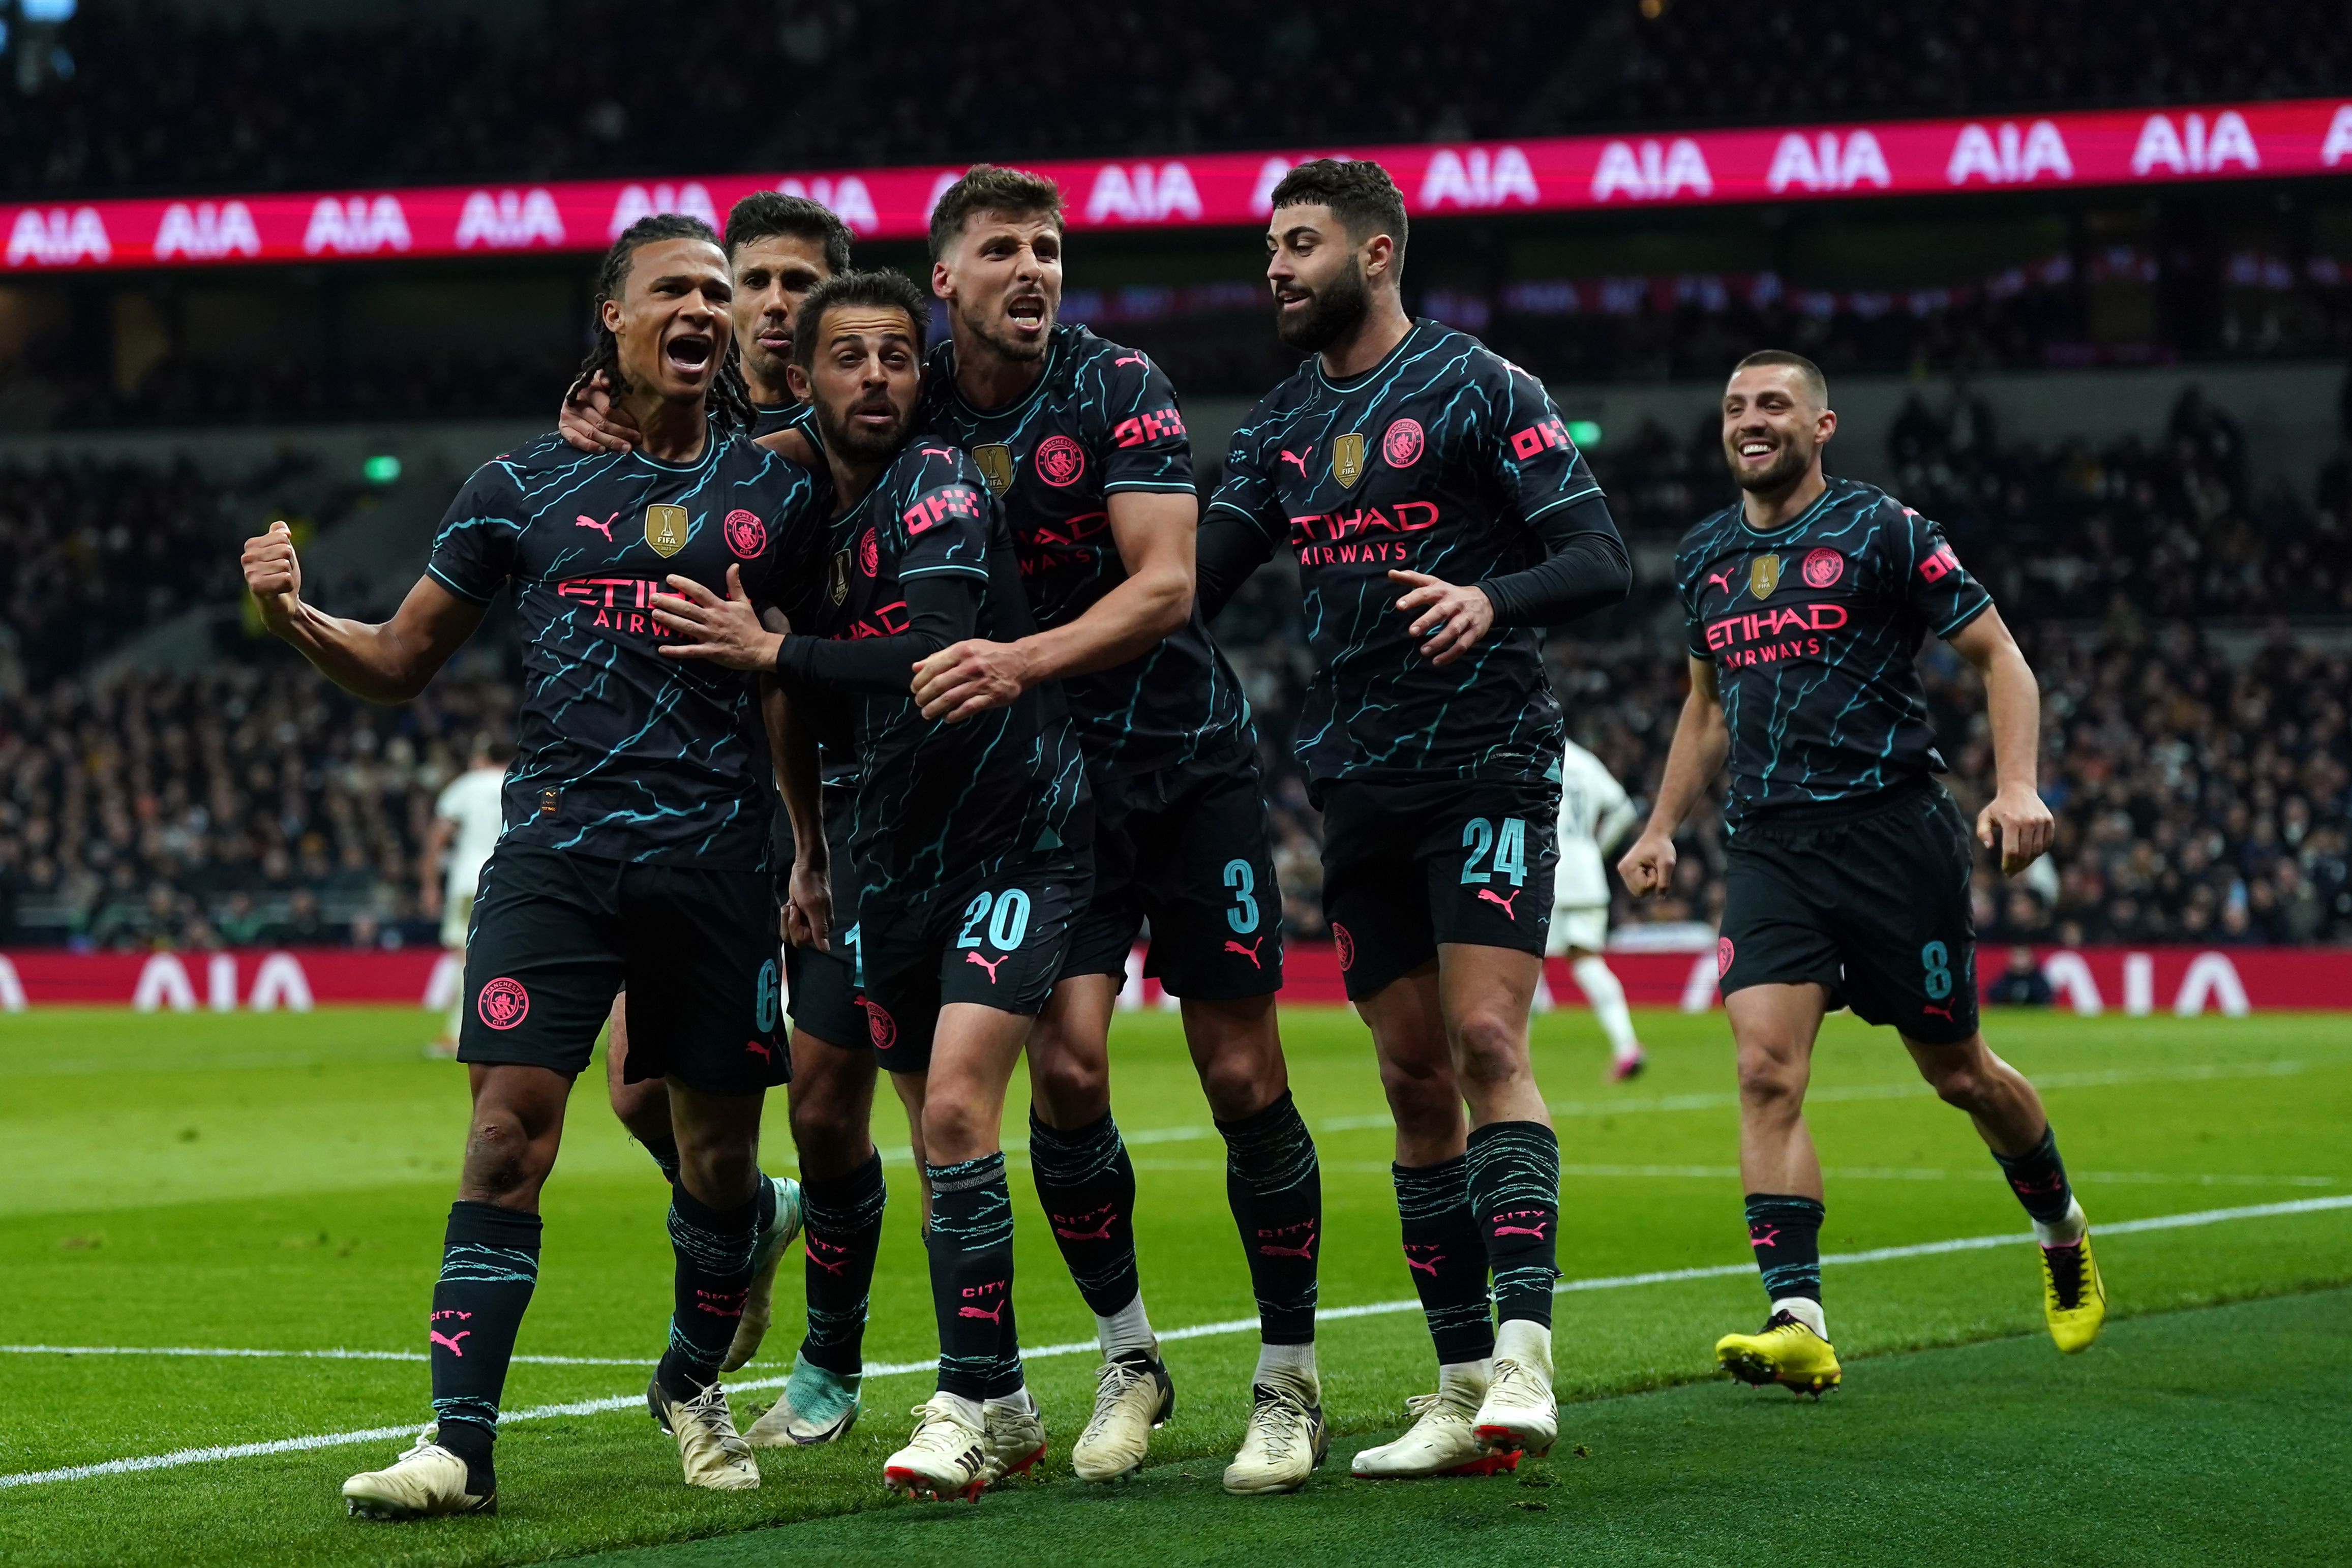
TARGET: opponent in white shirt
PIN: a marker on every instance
(467, 817)
(1595, 812)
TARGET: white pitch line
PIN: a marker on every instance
(1198, 1331)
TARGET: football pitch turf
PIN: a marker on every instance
(277, 1184)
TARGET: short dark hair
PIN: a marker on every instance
(987, 188)
(1807, 371)
(729, 404)
(878, 286)
(1357, 191)
(763, 214)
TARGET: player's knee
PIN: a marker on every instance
(823, 1131)
(950, 1128)
(1423, 1095)
(1770, 1079)
(499, 1157)
(1071, 1087)
(723, 1174)
(1961, 1084)
(1236, 1084)
(1491, 1046)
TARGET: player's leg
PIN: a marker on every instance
(1603, 993)
(642, 1105)
(456, 920)
(540, 970)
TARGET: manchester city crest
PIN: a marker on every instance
(1347, 459)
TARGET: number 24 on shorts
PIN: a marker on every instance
(1005, 930)
(1509, 846)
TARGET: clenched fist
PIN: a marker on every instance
(273, 575)
(1649, 867)
(2016, 826)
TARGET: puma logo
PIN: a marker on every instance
(994, 1314)
(1721, 580)
(1428, 1267)
(438, 1338)
(1943, 1013)
(1249, 952)
(1770, 1237)
(764, 1054)
(991, 968)
(1494, 897)
(604, 528)
(1130, 359)
(1537, 1231)
(1100, 1233)
(1287, 457)
(834, 1265)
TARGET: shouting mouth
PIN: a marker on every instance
(1026, 312)
(689, 353)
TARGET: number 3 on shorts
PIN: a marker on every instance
(1243, 916)
(1509, 845)
(1004, 932)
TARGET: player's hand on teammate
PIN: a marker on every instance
(591, 420)
(808, 907)
(1649, 867)
(2017, 826)
(969, 678)
(273, 575)
(1452, 618)
(726, 632)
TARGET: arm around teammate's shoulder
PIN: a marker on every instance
(1693, 759)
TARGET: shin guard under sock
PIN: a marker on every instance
(1446, 1257)
(1513, 1181)
(842, 1235)
(1276, 1189)
(2038, 1177)
(1086, 1184)
(970, 1244)
(1786, 1232)
(489, 1263)
(713, 1247)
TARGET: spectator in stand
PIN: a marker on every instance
(2021, 983)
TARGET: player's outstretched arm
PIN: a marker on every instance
(389, 662)
(2016, 825)
(1154, 533)
(1692, 762)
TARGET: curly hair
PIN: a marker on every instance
(729, 402)
(1357, 191)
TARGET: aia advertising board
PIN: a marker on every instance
(1563, 174)
(2186, 980)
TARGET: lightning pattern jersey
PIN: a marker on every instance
(1813, 629)
(938, 801)
(767, 418)
(1102, 420)
(621, 753)
(1441, 460)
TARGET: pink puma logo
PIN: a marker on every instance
(1520, 1231)
(1305, 1250)
(1494, 897)
(1770, 1237)
(1721, 580)
(1130, 359)
(1428, 1268)
(438, 1338)
(1100, 1233)
(996, 1315)
(1944, 1013)
(1249, 952)
(604, 528)
(2028, 1184)
(975, 958)
(764, 1054)
(1287, 457)
(838, 1265)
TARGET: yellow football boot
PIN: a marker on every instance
(1784, 1351)
(2073, 1298)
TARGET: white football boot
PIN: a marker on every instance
(947, 1457)
(816, 1406)
(1519, 1413)
(713, 1453)
(1132, 1396)
(1285, 1441)
(425, 1481)
(1441, 1441)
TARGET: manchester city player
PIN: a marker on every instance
(970, 840)
(1847, 876)
(635, 846)
(1085, 444)
(1441, 518)
(779, 248)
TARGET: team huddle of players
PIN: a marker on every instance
(950, 602)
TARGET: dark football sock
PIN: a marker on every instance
(1786, 1232)
(665, 1152)
(1514, 1182)
(2038, 1177)
(1088, 1185)
(1005, 1378)
(490, 1262)
(713, 1247)
(1446, 1257)
(1275, 1188)
(842, 1233)
(971, 1247)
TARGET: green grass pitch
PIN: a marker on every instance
(278, 1183)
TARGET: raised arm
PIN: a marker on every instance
(2015, 825)
(387, 662)
(1692, 762)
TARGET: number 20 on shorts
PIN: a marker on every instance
(1006, 926)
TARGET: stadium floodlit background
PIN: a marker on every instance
(2082, 280)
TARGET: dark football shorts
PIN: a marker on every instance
(1408, 866)
(820, 985)
(556, 934)
(1190, 849)
(1869, 899)
(998, 939)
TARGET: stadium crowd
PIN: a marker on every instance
(142, 96)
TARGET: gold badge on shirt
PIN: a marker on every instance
(1763, 575)
(995, 463)
(838, 589)
(1347, 459)
(666, 529)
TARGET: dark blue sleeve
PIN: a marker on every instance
(474, 552)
